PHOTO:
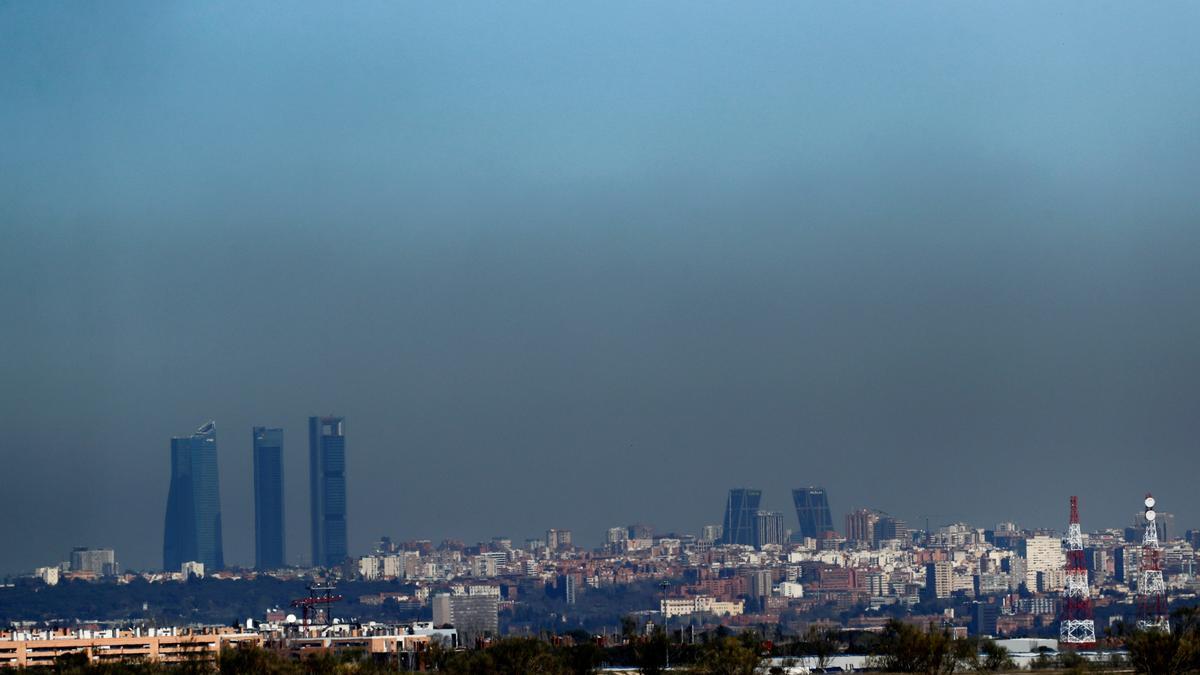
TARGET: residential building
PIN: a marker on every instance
(860, 526)
(198, 647)
(474, 616)
(1042, 554)
(987, 615)
(558, 539)
(761, 583)
(939, 579)
(889, 527)
(768, 528)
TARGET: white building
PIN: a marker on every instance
(671, 607)
(48, 575)
(1042, 554)
(791, 589)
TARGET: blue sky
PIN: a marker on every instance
(588, 264)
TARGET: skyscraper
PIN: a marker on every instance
(192, 531)
(741, 510)
(268, 498)
(327, 489)
(812, 509)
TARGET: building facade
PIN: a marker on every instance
(327, 489)
(1042, 554)
(860, 526)
(768, 528)
(192, 530)
(269, 547)
(889, 527)
(201, 646)
(473, 616)
(99, 561)
(939, 579)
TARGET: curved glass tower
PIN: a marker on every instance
(192, 531)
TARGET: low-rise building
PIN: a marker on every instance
(25, 649)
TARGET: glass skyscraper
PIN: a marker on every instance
(268, 498)
(812, 509)
(192, 531)
(741, 512)
(327, 489)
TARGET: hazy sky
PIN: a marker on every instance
(585, 264)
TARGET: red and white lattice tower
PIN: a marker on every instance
(1076, 628)
(1151, 587)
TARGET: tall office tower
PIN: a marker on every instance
(860, 526)
(327, 489)
(741, 509)
(192, 531)
(268, 498)
(812, 508)
(768, 528)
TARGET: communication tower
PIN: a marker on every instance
(1076, 628)
(1151, 587)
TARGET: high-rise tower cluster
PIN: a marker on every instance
(746, 524)
(192, 529)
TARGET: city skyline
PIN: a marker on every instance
(596, 263)
(743, 521)
(744, 505)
